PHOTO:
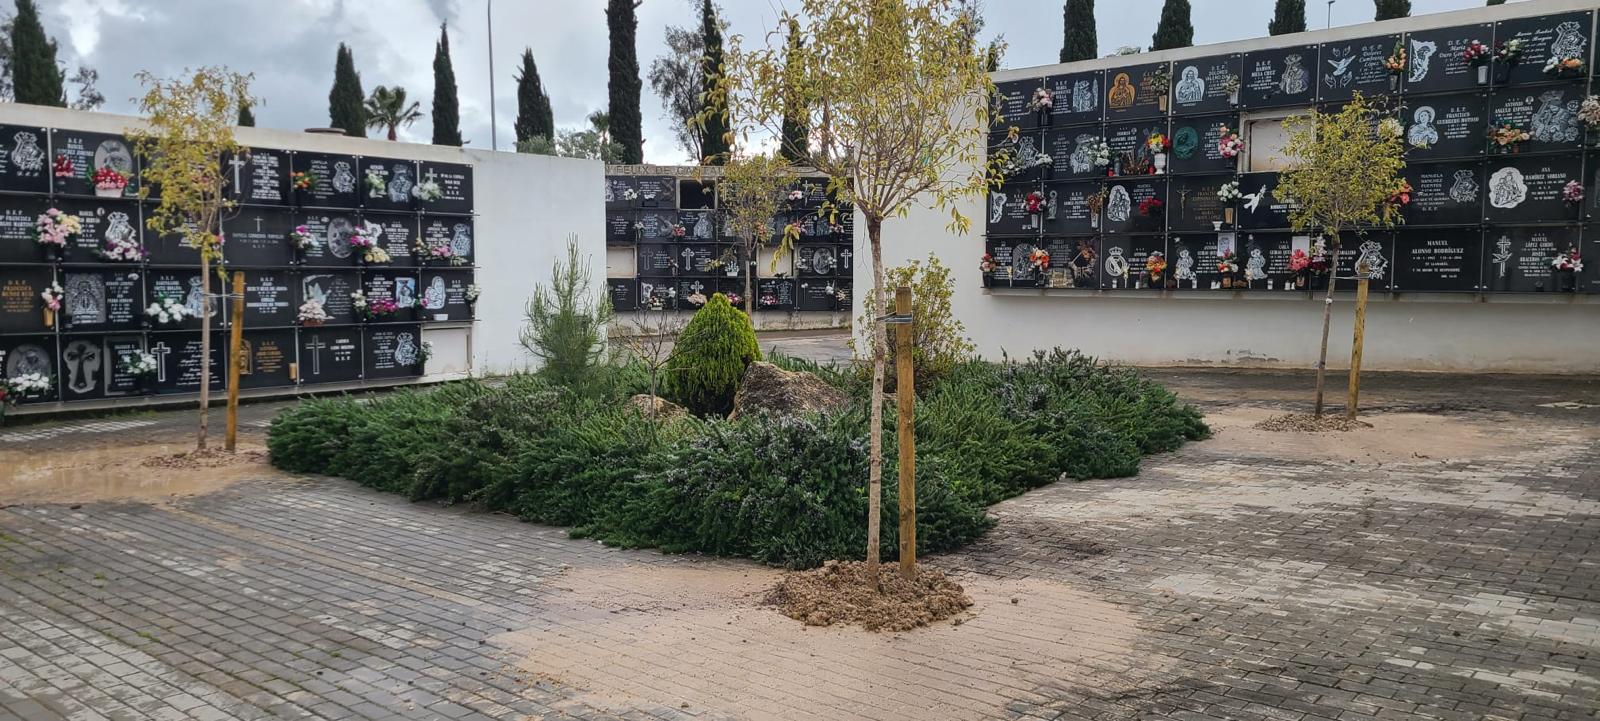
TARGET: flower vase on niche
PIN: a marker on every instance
(1227, 217)
(1482, 73)
(1160, 166)
(49, 318)
(1566, 281)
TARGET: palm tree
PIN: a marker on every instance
(600, 122)
(387, 108)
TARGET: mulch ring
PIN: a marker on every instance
(1306, 423)
(208, 458)
(838, 592)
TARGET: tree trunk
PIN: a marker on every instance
(879, 359)
(1327, 318)
(205, 346)
(749, 280)
(392, 134)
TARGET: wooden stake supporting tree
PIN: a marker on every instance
(189, 128)
(1344, 171)
(893, 93)
(906, 398)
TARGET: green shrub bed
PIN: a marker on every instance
(784, 491)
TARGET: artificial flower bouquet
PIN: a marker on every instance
(1034, 203)
(1508, 135)
(1564, 67)
(109, 182)
(427, 191)
(301, 238)
(122, 250)
(986, 264)
(1568, 262)
(166, 312)
(1476, 53)
(312, 313)
(1572, 192)
(302, 180)
(56, 230)
(1229, 145)
(1155, 265)
(377, 184)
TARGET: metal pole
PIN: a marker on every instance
(494, 137)
(1330, 13)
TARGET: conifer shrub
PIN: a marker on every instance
(709, 358)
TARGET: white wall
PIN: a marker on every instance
(1442, 332)
(526, 206)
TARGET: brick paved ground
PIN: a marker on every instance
(1440, 566)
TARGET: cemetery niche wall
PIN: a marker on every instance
(672, 226)
(320, 306)
(1128, 180)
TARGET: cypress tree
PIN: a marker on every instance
(446, 108)
(36, 78)
(627, 126)
(714, 131)
(1391, 9)
(796, 145)
(1174, 30)
(534, 116)
(1288, 16)
(247, 119)
(345, 101)
(1079, 41)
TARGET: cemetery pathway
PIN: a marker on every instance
(1441, 565)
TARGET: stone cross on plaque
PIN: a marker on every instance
(160, 351)
(431, 175)
(238, 162)
(688, 258)
(258, 224)
(697, 286)
(316, 346)
(846, 256)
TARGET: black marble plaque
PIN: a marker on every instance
(1435, 60)
(621, 192)
(332, 289)
(24, 354)
(1445, 194)
(1011, 104)
(1261, 207)
(699, 226)
(1076, 97)
(658, 226)
(1192, 261)
(83, 153)
(1135, 205)
(99, 299)
(18, 217)
(1196, 144)
(1008, 210)
(623, 294)
(1264, 260)
(697, 259)
(258, 237)
(1445, 126)
(1530, 189)
(120, 351)
(619, 227)
(267, 358)
(185, 287)
(1201, 85)
(1378, 247)
(332, 231)
(442, 295)
(657, 192)
(399, 239)
(26, 165)
(334, 180)
(1067, 208)
(455, 187)
(269, 298)
(1073, 152)
(822, 294)
(658, 294)
(102, 221)
(169, 247)
(258, 176)
(329, 355)
(1543, 37)
(1352, 66)
(1127, 142)
(21, 305)
(1549, 114)
(1011, 258)
(1073, 261)
(1123, 259)
(179, 362)
(775, 294)
(660, 259)
(1135, 92)
(1193, 204)
(820, 260)
(1521, 260)
(1279, 76)
(1436, 259)
(397, 285)
(693, 293)
(456, 232)
(387, 183)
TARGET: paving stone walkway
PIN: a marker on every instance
(1443, 565)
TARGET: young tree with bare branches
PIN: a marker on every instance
(893, 92)
(751, 194)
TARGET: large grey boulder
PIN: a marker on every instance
(767, 387)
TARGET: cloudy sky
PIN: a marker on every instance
(289, 46)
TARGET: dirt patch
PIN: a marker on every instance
(839, 593)
(1384, 437)
(117, 471)
(1306, 423)
(698, 633)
